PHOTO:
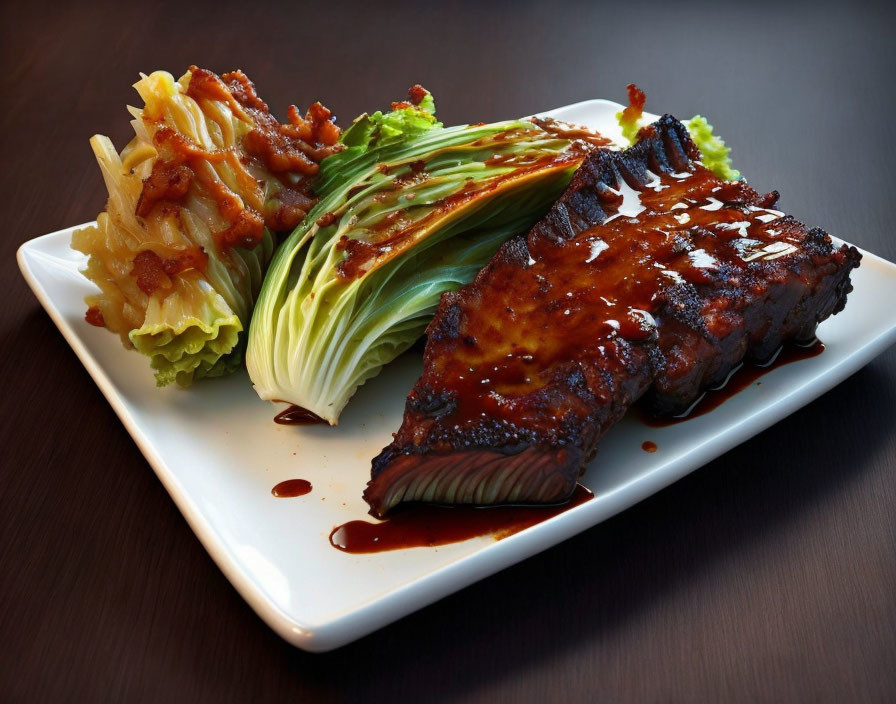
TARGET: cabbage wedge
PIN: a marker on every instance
(180, 251)
(408, 210)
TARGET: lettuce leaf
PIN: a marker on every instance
(713, 152)
(406, 121)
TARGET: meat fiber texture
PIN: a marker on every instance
(650, 277)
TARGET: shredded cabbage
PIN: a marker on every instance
(187, 308)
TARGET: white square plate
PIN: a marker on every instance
(218, 454)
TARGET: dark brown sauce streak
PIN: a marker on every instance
(738, 381)
(296, 415)
(291, 488)
(420, 525)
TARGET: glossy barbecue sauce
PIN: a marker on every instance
(419, 525)
(589, 297)
(296, 415)
(291, 488)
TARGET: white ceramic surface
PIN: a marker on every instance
(218, 454)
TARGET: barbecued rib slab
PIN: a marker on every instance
(648, 276)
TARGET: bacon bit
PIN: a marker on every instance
(94, 316)
(291, 207)
(175, 148)
(229, 203)
(416, 94)
(275, 150)
(243, 90)
(152, 272)
(149, 270)
(298, 127)
(359, 256)
(288, 147)
(636, 101)
(291, 149)
(246, 231)
(168, 181)
(325, 129)
(326, 219)
(205, 84)
(401, 105)
(317, 127)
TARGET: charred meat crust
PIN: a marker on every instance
(528, 366)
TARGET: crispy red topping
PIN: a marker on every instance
(149, 270)
(205, 84)
(245, 231)
(94, 316)
(276, 150)
(152, 272)
(635, 109)
(286, 150)
(168, 181)
(416, 94)
(243, 90)
(291, 209)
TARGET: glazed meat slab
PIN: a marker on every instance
(650, 277)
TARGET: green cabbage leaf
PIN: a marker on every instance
(409, 210)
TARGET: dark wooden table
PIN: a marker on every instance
(768, 575)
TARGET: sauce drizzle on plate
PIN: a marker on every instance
(422, 525)
(291, 488)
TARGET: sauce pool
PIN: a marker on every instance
(291, 488)
(296, 415)
(421, 525)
